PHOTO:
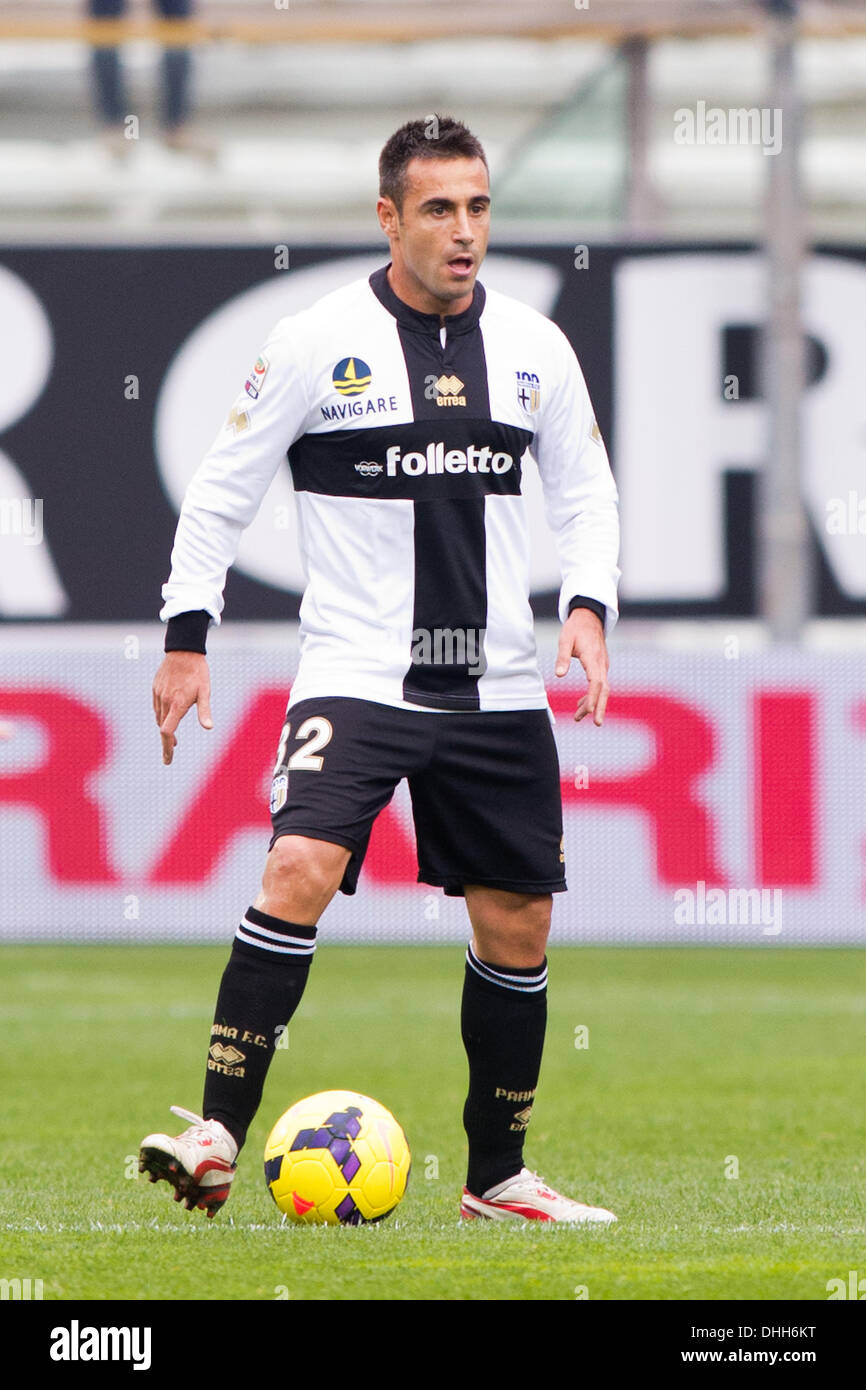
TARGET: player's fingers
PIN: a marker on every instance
(205, 717)
(601, 706)
(177, 709)
(163, 700)
(169, 743)
(173, 715)
(590, 699)
(563, 654)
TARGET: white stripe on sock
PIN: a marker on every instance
(303, 943)
(524, 984)
(241, 935)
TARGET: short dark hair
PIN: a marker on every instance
(435, 137)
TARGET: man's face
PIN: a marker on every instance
(439, 238)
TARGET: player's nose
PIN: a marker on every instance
(462, 227)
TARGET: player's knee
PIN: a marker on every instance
(535, 919)
(510, 928)
(301, 876)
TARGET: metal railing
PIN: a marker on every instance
(313, 21)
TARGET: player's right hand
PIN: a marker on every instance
(183, 680)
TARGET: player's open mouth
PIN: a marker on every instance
(462, 265)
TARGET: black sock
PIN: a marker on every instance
(503, 1021)
(261, 988)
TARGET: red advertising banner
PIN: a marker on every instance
(720, 802)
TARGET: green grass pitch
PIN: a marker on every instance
(700, 1064)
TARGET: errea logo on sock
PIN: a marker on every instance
(521, 1119)
(76, 1343)
(230, 1055)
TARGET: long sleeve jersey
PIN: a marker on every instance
(407, 439)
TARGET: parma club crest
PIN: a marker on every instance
(279, 792)
(528, 392)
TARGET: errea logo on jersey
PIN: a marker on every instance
(438, 459)
(444, 390)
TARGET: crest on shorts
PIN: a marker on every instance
(528, 392)
(279, 792)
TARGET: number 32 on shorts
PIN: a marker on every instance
(314, 733)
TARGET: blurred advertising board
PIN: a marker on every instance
(120, 363)
(720, 803)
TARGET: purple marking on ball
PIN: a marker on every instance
(340, 1150)
(351, 1166)
(347, 1213)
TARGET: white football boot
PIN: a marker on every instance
(199, 1164)
(528, 1198)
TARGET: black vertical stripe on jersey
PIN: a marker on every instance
(450, 598)
(450, 535)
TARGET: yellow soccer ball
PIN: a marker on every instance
(337, 1158)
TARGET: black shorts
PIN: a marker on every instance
(485, 790)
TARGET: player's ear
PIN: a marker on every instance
(386, 210)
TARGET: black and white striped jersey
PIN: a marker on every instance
(407, 442)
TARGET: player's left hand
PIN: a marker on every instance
(582, 636)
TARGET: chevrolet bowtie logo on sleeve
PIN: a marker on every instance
(351, 377)
(448, 389)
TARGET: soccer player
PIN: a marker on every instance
(406, 404)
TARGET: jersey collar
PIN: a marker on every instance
(426, 323)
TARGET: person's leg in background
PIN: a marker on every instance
(175, 109)
(175, 69)
(108, 84)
